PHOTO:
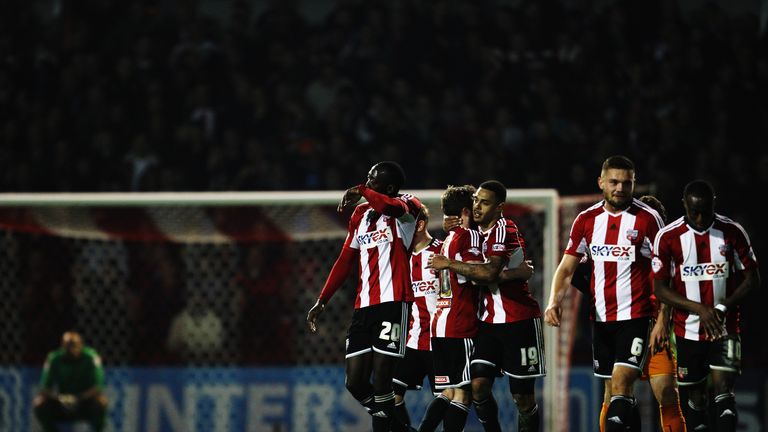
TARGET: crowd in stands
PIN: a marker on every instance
(105, 95)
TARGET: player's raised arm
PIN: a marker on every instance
(383, 204)
(560, 283)
(381, 190)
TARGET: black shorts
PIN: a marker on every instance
(696, 358)
(450, 357)
(514, 349)
(411, 370)
(622, 343)
(382, 328)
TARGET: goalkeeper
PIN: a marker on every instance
(72, 386)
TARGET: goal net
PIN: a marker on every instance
(211, 280)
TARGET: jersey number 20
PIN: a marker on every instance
(390, 331)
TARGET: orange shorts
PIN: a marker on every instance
(661, 363)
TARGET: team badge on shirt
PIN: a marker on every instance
(724, 249)
(656, 264)
(632, 234)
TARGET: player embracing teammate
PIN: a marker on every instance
(509, 338)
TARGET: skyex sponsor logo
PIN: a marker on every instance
(374, 238)
(612, 253)
(704, 271)
(424, 287)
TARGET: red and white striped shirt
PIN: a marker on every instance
(457, 301)
(619, 246)
(701, 267)
(510, 301)
(384, 244)
(425, 284)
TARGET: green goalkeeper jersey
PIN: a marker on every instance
(72, 375)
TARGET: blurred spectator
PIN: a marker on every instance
(156, 295)
(196, 333)
(268, 292)
(47, 303)
(141, 161)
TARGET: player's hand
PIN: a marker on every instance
(659, 337)
(450, 222)
(523, 272)
(712, 321)
(526, 270)
(350, 198)
(552, 315)
(68, 401)
(438, 262)
(312, 315)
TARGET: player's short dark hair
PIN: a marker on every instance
(655, 204)
(700, 189)
(423, 213)
(618, 162)
(498, 189)
(456, 198)
(390, 173)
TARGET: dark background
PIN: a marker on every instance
(100, 95)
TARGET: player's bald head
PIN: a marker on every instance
(72, 343)
(700, 189)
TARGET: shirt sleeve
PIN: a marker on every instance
(98, 371)
(339, 273)
(386, 205)
(46, 379)
(496, 244)
(577, 242)
(508, 244)
(654, 226)
(661, 263)
(744, 255)
(347, 258)
(469, 250)
(354, 222)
